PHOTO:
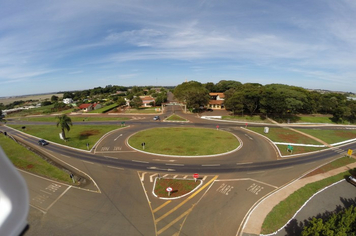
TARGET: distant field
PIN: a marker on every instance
(41, 97)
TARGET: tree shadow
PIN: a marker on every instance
(296, 228)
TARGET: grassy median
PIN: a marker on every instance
(29, 161)
(185, 141)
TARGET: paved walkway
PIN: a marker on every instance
(259, 213)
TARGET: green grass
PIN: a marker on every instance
(78, 136)
(74, 118)
(257, 119)
(105, 108)
(285, 210)
(297, 149)
(285, 135)
(142, 110)
(314, 119)
(179, 187)
(29, 161)
(331, 136)
(184, 141)
(175, 118)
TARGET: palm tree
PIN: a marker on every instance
(64, 121)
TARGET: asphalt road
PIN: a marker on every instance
(118, 199)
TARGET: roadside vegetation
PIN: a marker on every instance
(143, 110)
(246, 118)
(285, 210)
(175, 117)
(332, 135)
(77, 137)
(179, 187)
(184, 141)
(26, 160)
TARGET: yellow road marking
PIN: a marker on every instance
(182, 203)
(174, 221)
(161, 206)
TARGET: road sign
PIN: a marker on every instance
(169, 190)
(349, 152)
(290, 147)
(195, 176)
(217, 127)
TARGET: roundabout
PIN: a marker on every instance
(184, 142)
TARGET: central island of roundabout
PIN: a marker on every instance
(186, 142)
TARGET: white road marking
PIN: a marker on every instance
(117, 137)
(205, 178)
(186, 176)
(164, 160)
(110, 157)
(257, 172)
(243, 163)
(118, 168)
(140, 161)
(211, 165)
(248, 136)
(171, 164)
(151, 177)
(89, 162)
(143, 176)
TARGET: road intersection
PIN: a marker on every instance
(117, 198)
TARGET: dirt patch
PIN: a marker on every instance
(88, 133)
(30, 166)
(346, 135)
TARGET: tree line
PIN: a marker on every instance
(272, 100)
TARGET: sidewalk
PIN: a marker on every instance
(258, 214)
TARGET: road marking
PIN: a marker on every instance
(151, 177)
(117, 137)
(66, 156)
(164, 176)
(155, 168)
(103, 149)
(118, 168)
(205, 177)
(174, 221)
(142, 178)
(117, 148)
(110, 157)
(45, 192)
(58, 198)
(186, 176)
(161, 206)
(171, 164)
(243, 163)
(164, 160)
(140, 161)
(211, 165)
(187, 199)
(175, 176)
(248, 136)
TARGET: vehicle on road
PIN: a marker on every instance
(209, 109)
(42, 142)
(156, 118)
(352, 180)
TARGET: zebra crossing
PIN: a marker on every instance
(151, 176)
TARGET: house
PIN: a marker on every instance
(97, 106)
(146, 100)
(85, 107)
(216, 101)
(67, 100)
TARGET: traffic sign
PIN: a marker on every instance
(349, 152)
(195, 176)
(217, 127)
(169, 189)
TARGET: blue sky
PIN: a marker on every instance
(49, 46)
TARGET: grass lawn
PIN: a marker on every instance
(285, 135)
(179, 187)
(143, 110)
(29, 161)
(285, 210)
(78, 136)
(331, 136)
(246, 119)
(184, 141)
(105, 108)
(74, 118)
(175, 118)
(314, 119)
(297, 149)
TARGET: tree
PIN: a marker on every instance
(54, 98)
(64, 122)
(136, 102)
(235, 103)
(193, 94)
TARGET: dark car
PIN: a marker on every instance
(42, 142)
(352, 180)
(156, 118)
(209, 109)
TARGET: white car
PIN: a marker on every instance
(352, 180)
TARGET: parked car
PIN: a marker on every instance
(156, 118)
(209, 109)
(352, 180)
(42, 142)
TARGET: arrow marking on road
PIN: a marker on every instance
(117, 137)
